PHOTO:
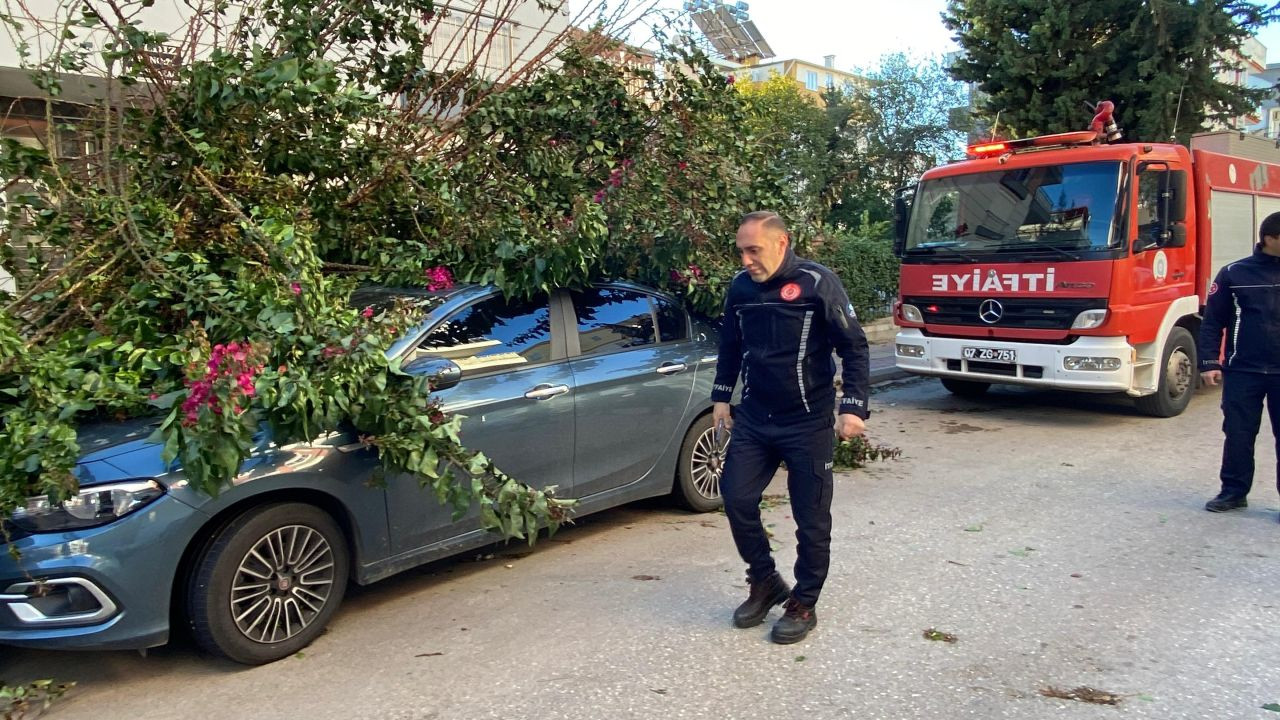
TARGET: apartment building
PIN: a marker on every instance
(814, 79)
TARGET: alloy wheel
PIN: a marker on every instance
(282, 584)
(707, 464)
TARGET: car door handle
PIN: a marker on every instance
(542, 392)
(1179, 275)
(672, 368)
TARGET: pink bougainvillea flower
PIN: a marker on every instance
(729, 79)
(682, 165)
(367, 312)
(599, 196)
(296, 288)
(153, 396)
(439, 278)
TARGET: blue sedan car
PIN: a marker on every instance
(603, 393)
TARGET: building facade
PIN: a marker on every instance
(814, 79)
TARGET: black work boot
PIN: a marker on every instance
(1223, 503)
(794, 624)
(771, 591)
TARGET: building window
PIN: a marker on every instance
(757, 76)
(830, 81)
(811, 80)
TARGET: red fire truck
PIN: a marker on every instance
(1071, 262)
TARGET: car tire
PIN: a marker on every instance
(700, 465)
(965, 388)
(1178, 377)
(267, 584)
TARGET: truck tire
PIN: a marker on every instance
(965, 388)
(1177, 377)
(267, 584)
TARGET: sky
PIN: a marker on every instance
(858, 32)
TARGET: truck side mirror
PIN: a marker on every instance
(1177, 236)
(1177, 189)
(903, 199)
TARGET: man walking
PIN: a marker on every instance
(1244, 305)
(783, 317)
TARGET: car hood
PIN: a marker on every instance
(118, 450)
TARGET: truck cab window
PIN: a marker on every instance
(1150, 183)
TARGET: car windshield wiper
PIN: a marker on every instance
(1008, 247)
(934, 249)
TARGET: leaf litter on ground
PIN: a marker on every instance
(1084, 694)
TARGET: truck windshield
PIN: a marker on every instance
(1061, 209)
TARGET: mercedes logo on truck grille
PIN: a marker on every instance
(990, 311)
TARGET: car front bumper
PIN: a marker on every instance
(107, 587)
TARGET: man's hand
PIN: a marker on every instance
(1211, 377)
(849, 426)
(720, 413)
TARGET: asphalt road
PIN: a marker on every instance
(1059, 538)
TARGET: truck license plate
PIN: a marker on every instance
(1000, 355)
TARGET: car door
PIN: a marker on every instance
(633, 369)
(516, 394)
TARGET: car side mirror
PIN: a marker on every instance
(445, 372)
(1177, 236)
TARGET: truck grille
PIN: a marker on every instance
(1027, 313)
(990, 368)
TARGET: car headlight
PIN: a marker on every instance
(911, 313)
(92, 506)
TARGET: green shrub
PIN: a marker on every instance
(867, 267)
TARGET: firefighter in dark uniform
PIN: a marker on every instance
(1244, 309)
(783, 317)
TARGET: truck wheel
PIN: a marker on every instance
(965, 388)
(268, 583)
(1177, 380)
(700, 466)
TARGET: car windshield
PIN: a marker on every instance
(383, 298)
(1063, 209)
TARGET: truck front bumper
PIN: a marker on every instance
(1035, 364)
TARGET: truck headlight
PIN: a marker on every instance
(911, 313)
(914, 351)
(1089, 319)
(92, 506)
(1096, 364)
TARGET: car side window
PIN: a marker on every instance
(492, 334)
(673, 323)
(612, 319)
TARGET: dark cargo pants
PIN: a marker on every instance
(756, 449)
(1242, 396)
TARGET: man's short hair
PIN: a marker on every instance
(1270, 226)
(770, 221)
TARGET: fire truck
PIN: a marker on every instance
(1074, 261)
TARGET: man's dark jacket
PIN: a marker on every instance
(779, 335)
(1244, 302)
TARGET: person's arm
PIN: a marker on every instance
(850, 343)
(1217, 314)
(728, 362)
